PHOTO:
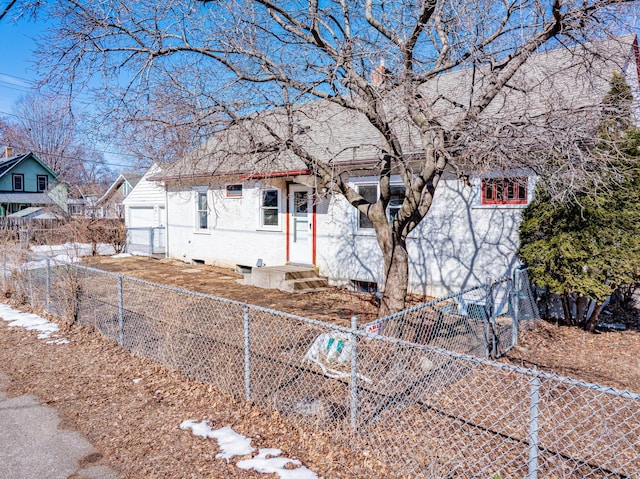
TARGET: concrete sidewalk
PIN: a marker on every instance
(32, 446)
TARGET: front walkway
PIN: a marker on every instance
(32, 445)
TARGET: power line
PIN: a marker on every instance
(85, 160)
(25, 80)
(104, 151)
(12, 86)
(32, 85)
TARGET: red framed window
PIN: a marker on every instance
(234, 191)
(504, 191)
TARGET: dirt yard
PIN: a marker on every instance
(333, 304)
(130, 410)
(610, 358)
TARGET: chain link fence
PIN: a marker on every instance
(419, 403)
(482, 321)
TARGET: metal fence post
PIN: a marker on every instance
(515, 307)
(488, 321)
(354, 374)
(247, 355)
(120, 311)
(48, 286)
(534, 412)
(151, 241)
(4, 273)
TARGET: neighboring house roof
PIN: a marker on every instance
(86, 191)
(8, 164)
(144, 191)
(566, 79)
(27, 198)
(35, 212)
(130, 178)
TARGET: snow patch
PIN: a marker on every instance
(31, 322)
(74, 250)
(122, 255)
(233, 444)
(268, 462)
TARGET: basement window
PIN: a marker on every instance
(361, 286)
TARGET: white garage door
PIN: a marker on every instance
(141, 222)
(141, 217)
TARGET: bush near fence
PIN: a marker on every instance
(423, 410)
(36, 232)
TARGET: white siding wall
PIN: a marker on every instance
(458, 245)
(234, 235)
(146, 194)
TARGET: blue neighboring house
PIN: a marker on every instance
(30, 189)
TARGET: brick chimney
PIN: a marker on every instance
(8, 152)
(380, 75)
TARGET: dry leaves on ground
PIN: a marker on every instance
(135, 424)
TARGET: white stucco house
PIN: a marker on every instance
(227, 207)
(145, 214)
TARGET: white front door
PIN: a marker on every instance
(300, 224)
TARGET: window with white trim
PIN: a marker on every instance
(18, 182)
(75, 209)
(269, 208)
(43, 183)
(202, 211)
(504, 191)
(370, 193)
(395, 201)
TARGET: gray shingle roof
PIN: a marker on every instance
(26, 198)
(9, 163)
(559, 80)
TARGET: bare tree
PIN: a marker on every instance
(45, 125)
(452, 93)
(15, 9)
(161, 132)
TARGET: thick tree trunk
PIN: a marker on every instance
(582, 306)
(566, 309)
(396, 277)
(590, 325)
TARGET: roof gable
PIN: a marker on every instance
(128, 178)
(10, 163)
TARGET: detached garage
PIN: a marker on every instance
(145, 216)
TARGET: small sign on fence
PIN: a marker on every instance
(375, 328)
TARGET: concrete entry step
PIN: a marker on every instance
(286, 278)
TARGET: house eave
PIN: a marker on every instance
(241, 174)
(275, 174)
